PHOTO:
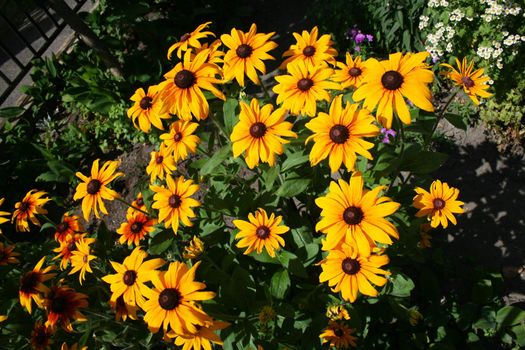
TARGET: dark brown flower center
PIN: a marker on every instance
(169, 299)
(185, 37)
(62, 227)
(85, 259)
(258, 130)
(174, 201)
(129, 277)
(71, 246)
(140, 201)
(467, 81)
(262, 232)
(24, 206)
(339, 134)
(136, 227)
(350, 266)
(338, 332)
(392, 80)
(146, 102)
(353, 215)
(309, 51)
(177, 137)
(355, 72)
(439, 203)
(305, 84)
(159, 159)
(29, 282)
(244, 51)
(41, 337)
(93, 186)
(184, 79)
(58, 304)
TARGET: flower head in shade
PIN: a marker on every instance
(259, 132)
(123, 310)
(414, 316)
(72, 347)
(340, 134)
(161, 163)
(80, 259)
(204, 337)
(387, 133)
(32, 203)
(147, 109)
(425, 237)
(63, 305)
(69, 225)
(310, 49)
(8, 255)
(32, 285)
(194, 248)
(3, 213)
(246, 54)
(439, 205)
(137, 203)
(68, 246)
(339, 335)
(300, 90)
(181, 141)
(41, 336)
(94, 188)
(135, 228)
(351, 73)
(337, 312)
(389, 82)
(473, 82)
(190, 41)
(260, 232)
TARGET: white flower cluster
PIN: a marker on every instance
(437, 3)
(456, 15)
(443, 34)
(495, 10)
(512, 39)
(423, 22)
(492, 53)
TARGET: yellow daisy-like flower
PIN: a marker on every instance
(171, 304)
(135, 228)
(3, 213)
(161, 163)
(94, 188)
(310, 50)
(62, 305)
(212, 50)
(194, 249)
(69, 225)
(389, 82)
(439, 205)
(414, 316)
(132, 274)
(174, 203)
(347, 271)
(182, 89)
(203, 338)
(338, 335)
(190, 40)
(350, 74)
(72, 347)
(25, 210)
(337, 312)
(259, 133)
(352, 214)
(148, 109)
(246, 54)
(137, 203)
(300, 90)
(339, 135)
(32, 285)
(122, 310)
(472, 82)
(41, 336)
(68, 246)
(180, 140)
(260, 232)
(8, 255)
(81, 258)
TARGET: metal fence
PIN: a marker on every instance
(27, 29)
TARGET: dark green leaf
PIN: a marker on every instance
(402, 285)
(280, 284)
(510, 316)
(456, 120)
(212, 163)
(423, 162)
(161, 242)
(292, 187)
(230, 118)
(11, 112)
(293, 161)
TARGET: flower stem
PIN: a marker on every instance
(440, 116)
(131, 206)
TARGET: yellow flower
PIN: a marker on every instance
(68, 226)
(388, 82)
(339, 135)
(3, 213)
(339, 335)
(8, 255)
(80, 259)
(161, 163)
(300, 90)
(414, 316)
(350, 74)
(259, 132)
(246, 54)
(260, 232)
(32, 204)
(439, 205)
(41, 336)
(267, 314)
(472, 82)
(194, 249)
(310, 50)
(136, 226)
(180, 140)
(72, 347)
(68, 246)
(122, 310)
(171, 304)
(182, 89)
(212, 50)
(148, 109)
(204, 337)
(137, 203)
(174, 203)
(337, 312)
(190, 40)
(93, 189)
(353, 214)
(347, 271)
(32, 284)
(62, 305)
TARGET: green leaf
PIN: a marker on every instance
(293, 161)
(270, 176)
(487, 321)
(423, 162)
(212, 163)
(11, 112)
(160, 242)
(230, 117)
(510, 316)
(47, 225)
(456, 120)
(280, 284)
(482, 291)
(292, 187)
(401, 285)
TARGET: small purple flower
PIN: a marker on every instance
(387, 133)
(369, 37)
(351, 33)
(410, 103)
(357, 48)
(435, 59)
(359, 38)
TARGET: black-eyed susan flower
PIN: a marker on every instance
(68, 246)
(300, 90)
(8, 255)
(246, 54)
(80, 259)
(147, 109)
(310, 49)
(337, 312)
(41, 336)
(212, 50)
(138, 203)
(351, 73)
(414, 316)
(135, 228)
(473, 82)
(32, 203)
(259, 132)
(161, 163)
(190, 40)
(132, 274)
(339, 335)
(348, 271)
(63, 306)
(175, 203)
(94, 189)
(32, 285)
(194, 248)
(339, 135)
(260, 232)
(3, 213)
(181, 141)
(182, 89)
(123, 310)
(73, 347)
(69, 225)
(204, 338)
(387, 83)
(171, 304)
(439, 205)
(351, 213)
(267, 314)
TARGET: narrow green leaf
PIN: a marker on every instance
(212, 163)
(230, 117)
(11, 112)
(292, 187)
(280, 284)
